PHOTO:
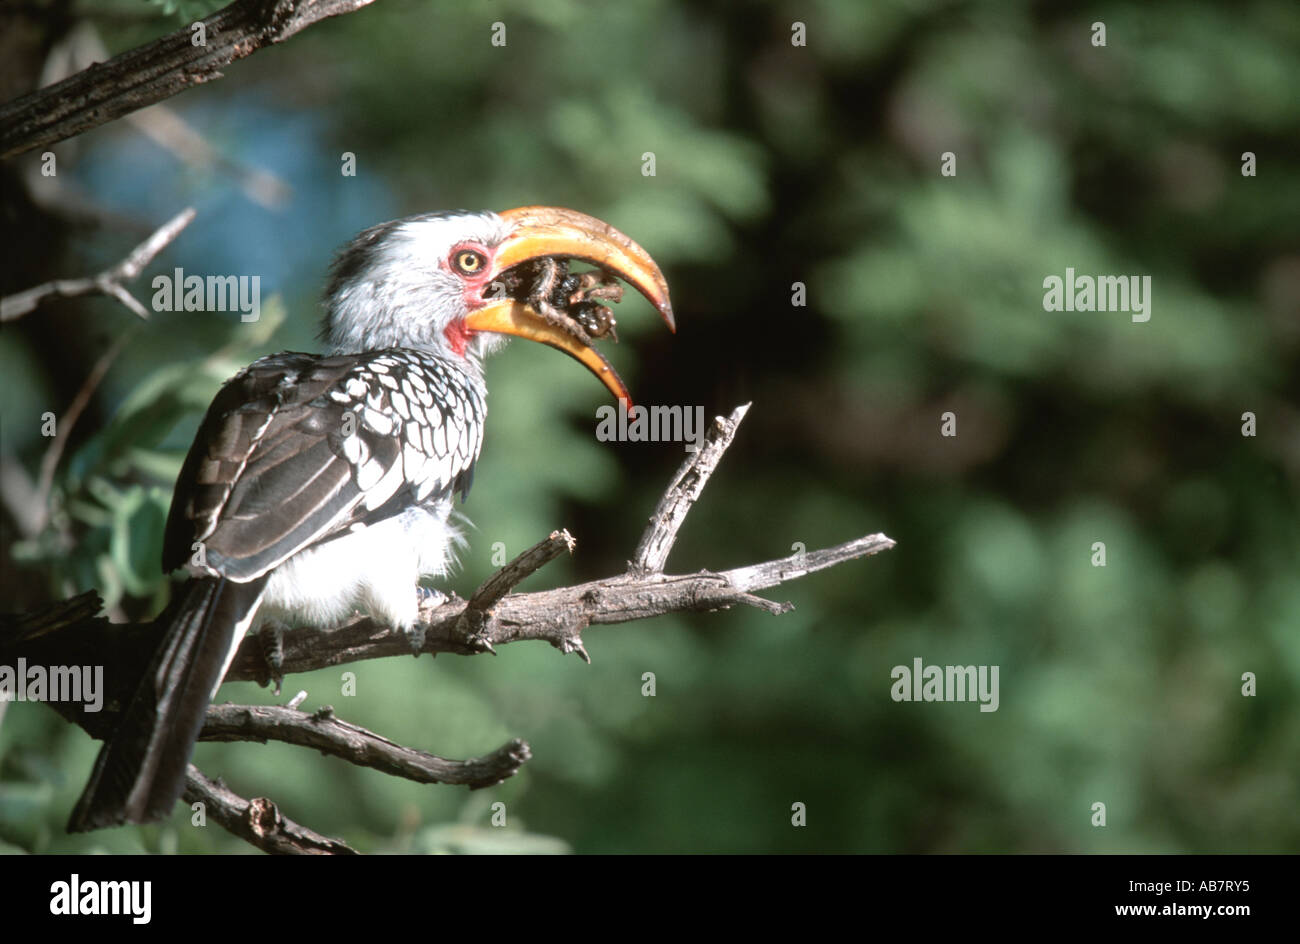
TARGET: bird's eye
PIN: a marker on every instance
(469, 262)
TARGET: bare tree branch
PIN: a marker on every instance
(323, 731)
(477, 614)
(156, 70)
(109, 282)
(258, 821)
(555, 616)
(54, 452)
(652, 551)
(519, 569)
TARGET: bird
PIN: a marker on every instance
(318, 485)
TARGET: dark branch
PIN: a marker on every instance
(322, 731)
(257, 822)
(155, 71)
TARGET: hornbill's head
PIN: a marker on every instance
(449, 283)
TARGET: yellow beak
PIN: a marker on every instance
(552, 231)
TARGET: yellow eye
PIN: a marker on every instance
(469, 262)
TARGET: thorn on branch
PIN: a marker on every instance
(573, 643)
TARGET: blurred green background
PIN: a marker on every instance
(775, 164)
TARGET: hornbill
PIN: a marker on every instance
(319, 484)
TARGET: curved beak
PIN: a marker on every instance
(538, 232)
(508, 316)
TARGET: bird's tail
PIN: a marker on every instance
(140, 771)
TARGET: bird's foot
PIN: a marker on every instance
(427, 601)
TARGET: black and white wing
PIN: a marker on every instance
(297, 449)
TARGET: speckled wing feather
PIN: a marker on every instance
(278, 464)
